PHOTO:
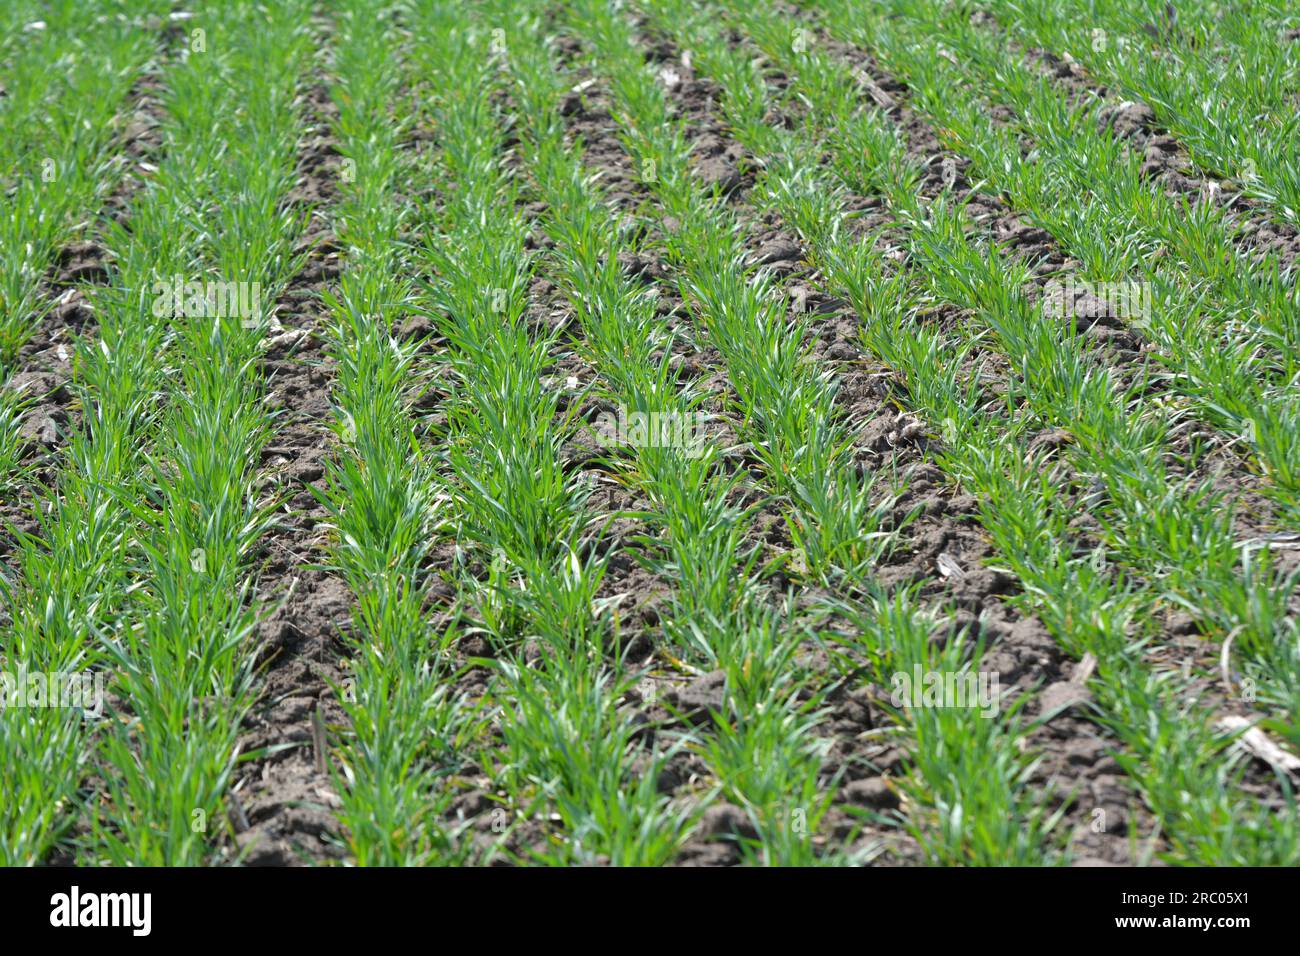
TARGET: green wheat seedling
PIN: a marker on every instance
(765, 746)
(604, 791)
(12, 406)
(14, 17)
(61, 114)
(968, 790)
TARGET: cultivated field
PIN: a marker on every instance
(649, 432)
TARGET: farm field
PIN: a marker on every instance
(655, 432)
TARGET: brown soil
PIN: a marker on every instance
(286, 800)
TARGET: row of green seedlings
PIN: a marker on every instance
(786, 406)
(767, 761)
(406, 726)
(1231, 103)
(183, 649)
(63, 93)
(529, 571)
(61, 110)
(567, 745)
(1171, 751)
(1183, 531)
(73, 575)
(968, 795)
(80, 575)
(785, 403)
(1223, 321)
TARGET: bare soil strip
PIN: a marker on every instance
(283, 799)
